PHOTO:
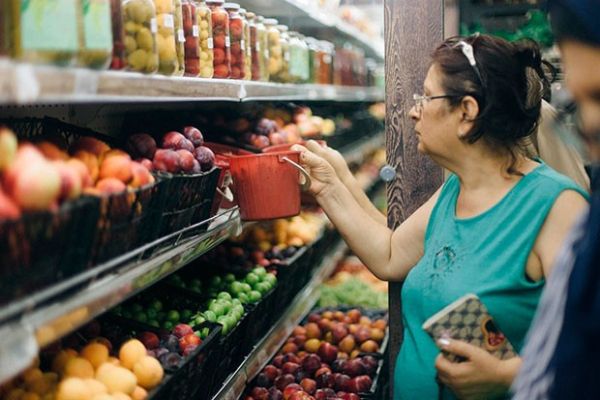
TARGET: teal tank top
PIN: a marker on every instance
(485, 255)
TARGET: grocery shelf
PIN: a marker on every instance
(355, 153)
(234, 385)
(31, 84)
(305, 17)
(43, 317)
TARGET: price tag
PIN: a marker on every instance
(169, 21)
(210, 43)
(227, 42)
(180, 35)
(286, 56)
(242, 44)
(257, 46)
(195, 31)
(153, 25)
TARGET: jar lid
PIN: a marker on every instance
(282, 28)
(270, 21)
(242, 10)
(231, 6)
(215, 2)
(250, 15)
(260, 18)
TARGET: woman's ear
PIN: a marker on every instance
(469, 109)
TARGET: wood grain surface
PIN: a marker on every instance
(412, 31)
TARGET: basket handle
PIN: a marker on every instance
(307, 182)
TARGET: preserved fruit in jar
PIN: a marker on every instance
(221, 39)
(43, 31)
(275, 52)
(204, 17)
(179, 39)
(165, 37)
(255, 69)
(325, 62)
(95, 34)
(283, 75)
(139, 17)
(298, 58)
(118, 54)
(313, 59)
(192, 38)
(247, 47)
(236, 39)
(262, 47)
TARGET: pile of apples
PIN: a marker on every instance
(179, 152)
(327, 358)
(41, 176)
(90, 374)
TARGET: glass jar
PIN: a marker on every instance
(298, 58)
(284, 39)
(118, 54)
(139, 17)
(262, 48)
(95, 34)
(43, 31)
(325, 65)
(236, 35)
(179, 39)
(205, 32)
(221, 39)
(247, 46)
(313, 59)
(192, 40)
(275, 52)
(165, 38)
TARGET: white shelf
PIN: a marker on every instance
(25, 84)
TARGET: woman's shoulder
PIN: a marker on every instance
(548, 179)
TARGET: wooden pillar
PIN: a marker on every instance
(412, 30)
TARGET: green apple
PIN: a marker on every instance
(260, 271)
(254, 296)
(218, 309)
(246, 288)
(216, 281)
(199, 320)
(271, 279)
(263, 287)
(252, 279)
(236, 302)
(224, 296)
(226, 304)
(223, 320)
(173, 316)
(168, 325)
(236, 287)
(243, 298)
(229, 278)
(154, 323)
(210, 315)
(231, 320)
(156, 305)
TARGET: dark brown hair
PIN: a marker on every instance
(508, 89)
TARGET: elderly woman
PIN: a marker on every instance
(492, 229)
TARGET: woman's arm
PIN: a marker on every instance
(389, 255)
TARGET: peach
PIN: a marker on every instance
(82, 171)
(61, 358)
(120, 396)
(139, 393)
(79, 367)
(90, 161)
(166, 160)
(26, 155)
(146, 163)
(8, 147)
(148, 372)
(110, 186)
(186, 160)
(116, 166)
(95, 353)
(36, 186)
(131, 352)
(52, 151)
(140, 175)
(95, 386)
(113, 152)
(116, 379)
(89, 144)
(70, 180)
(73, 389)
(8, 208)
(102, 396)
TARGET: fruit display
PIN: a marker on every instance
(247, 45)
(192, 38)
(205, 32)
(221, 39)
(95, 34)
(236, 38)
(95, 372)
(330, 356)
(179, 38)
(275, 63)
(166, 41)
(140, 24)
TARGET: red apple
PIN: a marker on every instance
(354, 367)
(194, 135)
(326, 380)
(338, 365)
(189, 349)
(327, 352)
(312, 331)
(339, 331)
(141, 145)
(341, 381)
(146, 163)
(291, 357)
(359, 384)
(311, 363)
(260, 393)
(370, 364)
(290, 368)
(188, 340)
(309, 385)
(262, 380)
(272, 372)
(149, 339)
(166, 160)
(321, 371)
(354, 315)
(278, 361)
(181, 330)
(314, 317)
(324, 394)
(282, 381)
(275, 394)
(171, 140)
(348, 396)
(8, 208)
(363, 334)
(290, 389)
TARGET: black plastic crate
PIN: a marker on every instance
(261, 317)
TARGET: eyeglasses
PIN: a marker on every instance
(420, 100)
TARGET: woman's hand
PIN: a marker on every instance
(481, 376)
(322, 174)
(333, 157)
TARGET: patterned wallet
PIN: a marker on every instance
(467, 319)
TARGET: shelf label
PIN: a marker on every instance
(227, 41)
(195, 31)
(242, 44)
(168, 21)
(257, 46)
(153, 25)
(180, 35)
(210, 43)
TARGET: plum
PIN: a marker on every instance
(186, 160)
(166, 160)
(170, 360)
(205, 157)
(141, 145)
(194, 135)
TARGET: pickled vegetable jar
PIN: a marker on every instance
(165, 38)
(179, 39)
(247, 46)
(43, 31)
(118, 55)
(275, 52)
(325, 65)
(238, 46)
(313, 59)
(298, 58)
(221, 39)
(262, 48)
(204, 18)
(192, 41)
(139, 17)
(95, 34)
(284, 39)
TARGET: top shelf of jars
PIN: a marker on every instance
(168, 50)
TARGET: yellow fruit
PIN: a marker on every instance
(79, 367)
(43, 385)
(95, 386)
(73, 389)
(131, 352)
(95, 353)
(138, 59)
(152, 64)
(148, 371)
(103, 396)
(145, 39)
(120, 396)
(31, 375)
(164, 6)
(131, 27)
(138, 11)
(139, 393)
(166, 48)
(114, 361)
(130, 44)
(116, 379)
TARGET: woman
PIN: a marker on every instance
(492, 229)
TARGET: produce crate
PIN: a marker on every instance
(43, 248)
(261, 316)
(292, 276)
(189, 200)
(190, 380)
